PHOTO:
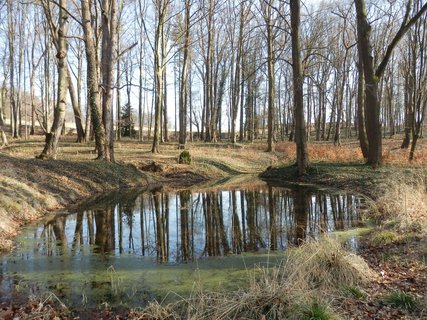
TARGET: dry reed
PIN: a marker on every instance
(403, 198)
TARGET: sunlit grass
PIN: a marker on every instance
(402, 198)
(316, 310)
(355, 292)
(384, 238)
(403, 300)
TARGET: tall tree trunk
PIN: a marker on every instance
(242, 100)
(300, 132)
(118, 100)
(52, 137)
(361, 109)
(237, 74)
(21, 64)
(271, 85)
(373, 76)
(76, 109)
(208, 74)
(2, 99)
(92, 81)
(183, 95)
(11, 38)
(109, 27)
(140, 91)
(159, 64)
(165, 135)
(409, 95)
(373, 125)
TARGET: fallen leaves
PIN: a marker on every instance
(401, 270)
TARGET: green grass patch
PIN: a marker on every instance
(355, 292)
(402, 300)
(344, 235)
(384, 238)
(316, 311)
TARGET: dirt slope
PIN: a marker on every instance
(30, 187)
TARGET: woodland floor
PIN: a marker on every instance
(31, 187)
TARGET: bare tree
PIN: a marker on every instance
(109, 29)
(2, 99)
(373, 74)
(59, 35)
(161, 8)
(183, 90)
(298, 79)
(93, 78)
(12, 89)
(236, 82)
(270, 21)
(419, 77)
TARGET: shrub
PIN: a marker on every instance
(184, 157)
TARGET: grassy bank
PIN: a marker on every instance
(31, 187)
(353, 176)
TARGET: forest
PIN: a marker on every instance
(214, 70)
(240, 129)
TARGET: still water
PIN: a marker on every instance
(126, 248)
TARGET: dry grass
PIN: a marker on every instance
(349, 151)
(403, 198)
(239, 158)
(324, 265)
(306, 282)
(154, 311)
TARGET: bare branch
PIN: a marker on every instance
(126, 50)
(68, 12)
(400, 33)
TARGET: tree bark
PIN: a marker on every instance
(92, 81)
(271, 82)
(109, 27)
(373, 125)
(361, 110)
(11, 42)
(372, 75)
(237, 74)
(300, 131)
(52, 137)
(184, 80)
(2, 133)
(76, 109)
(159, 64)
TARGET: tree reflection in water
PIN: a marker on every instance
(186, 225)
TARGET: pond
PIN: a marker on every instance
(129, 247)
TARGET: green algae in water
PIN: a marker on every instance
(130, 249)
(132, 282)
